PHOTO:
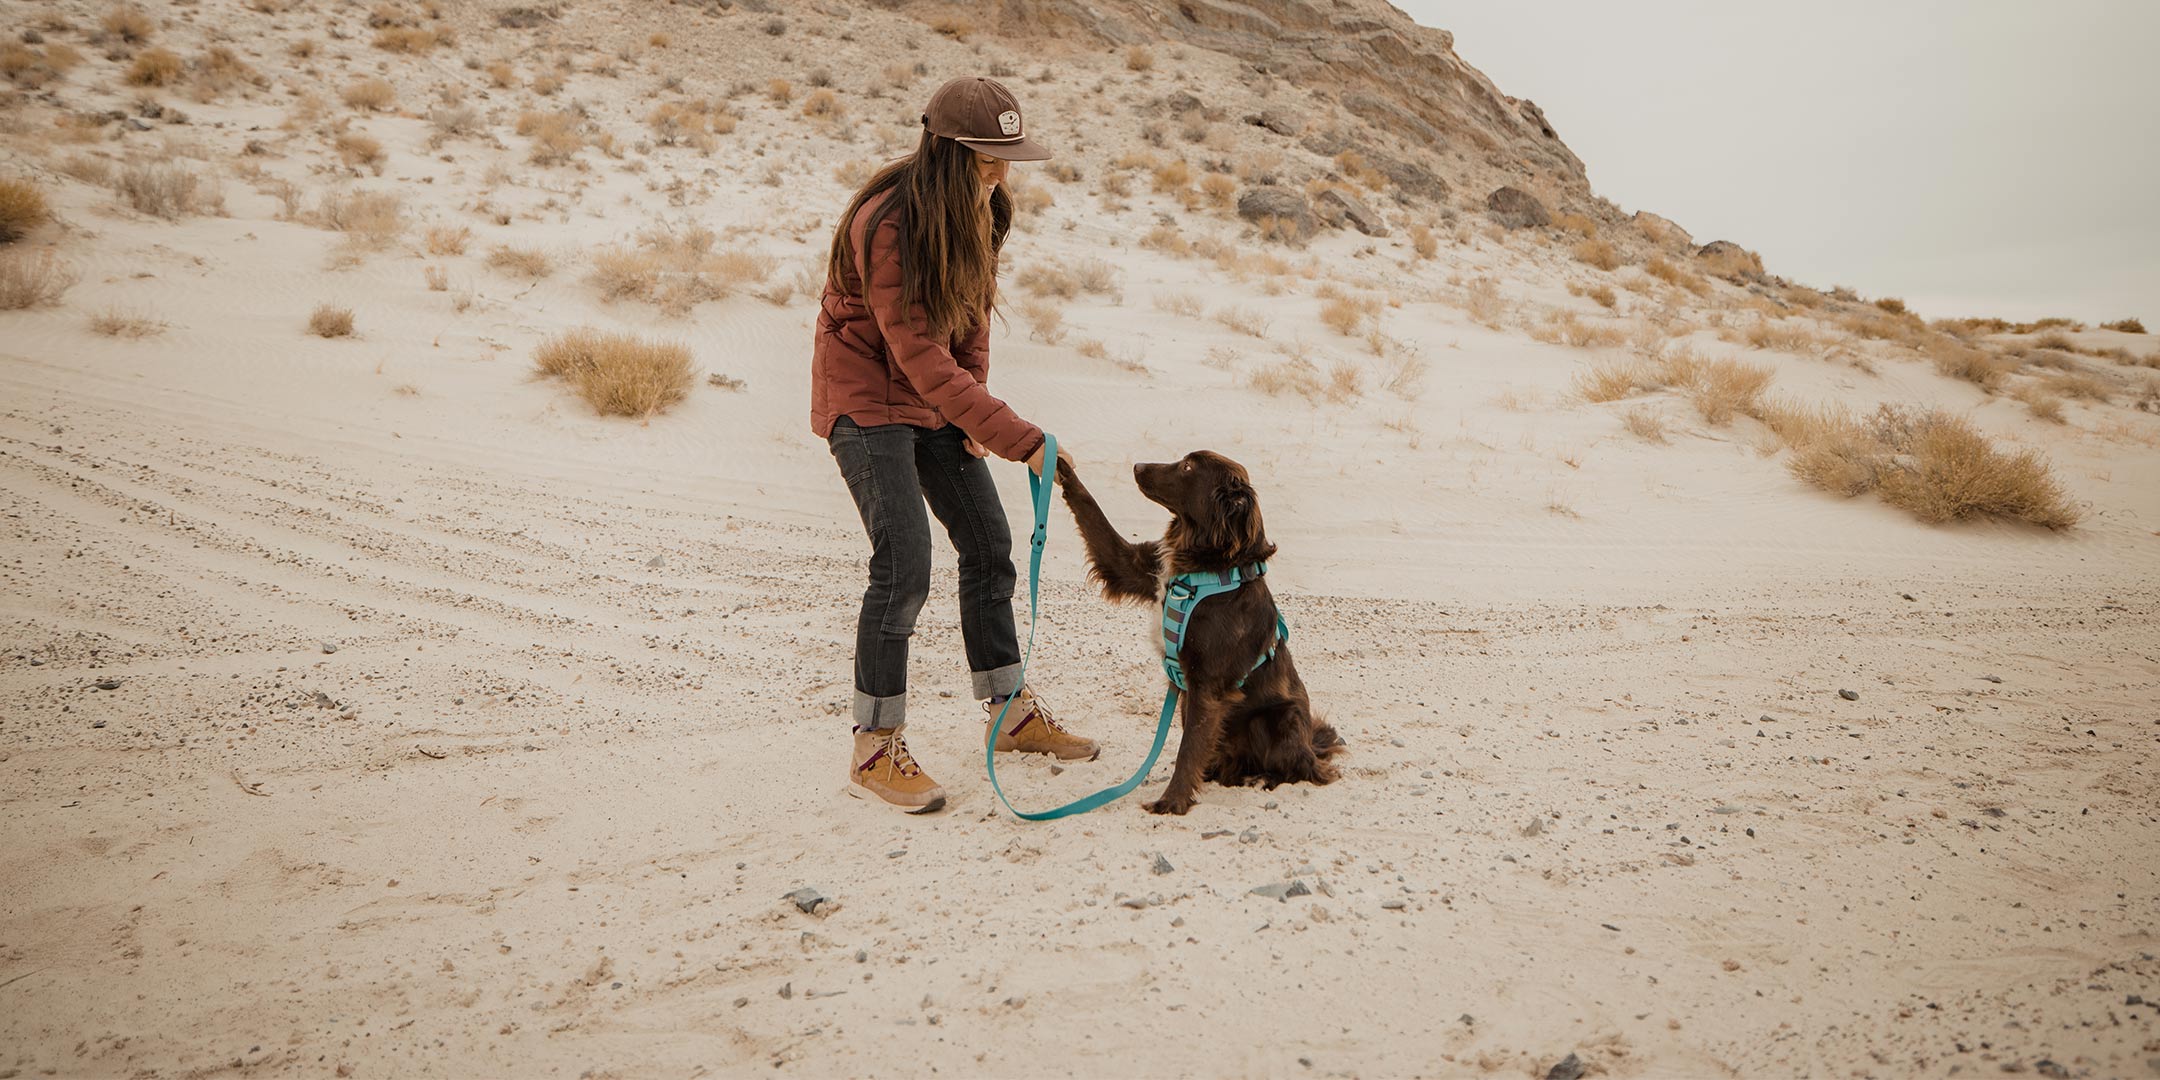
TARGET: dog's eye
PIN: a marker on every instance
(1187, 467)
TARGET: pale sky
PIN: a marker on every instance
(1974, 157)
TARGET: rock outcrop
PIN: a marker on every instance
(1402, 83)
(1515, 208)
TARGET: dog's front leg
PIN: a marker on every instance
(1196, 750)
(1125, 570)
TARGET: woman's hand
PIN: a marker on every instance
(976, 448)
(1035, 460)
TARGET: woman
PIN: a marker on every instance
(897, 391)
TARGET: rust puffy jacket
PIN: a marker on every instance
(878, 364)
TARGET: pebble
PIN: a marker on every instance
(37, 661)
(1250, 835)
(895, 854)
(99, 723)
(807, 900)
(1393, 905)
(1395, 741)
(1849, 695)
(1179, 921)
(1569, 1068)
(1017, 1001)
(1281, 891)
(1162, 865)
(1536, 826)
(1426, 775)
(1269, 805)
(656, 562)
(329, 647)
(741, 1001)
(108, 684)
(787, 991)
(862, 956)
(1992, 678)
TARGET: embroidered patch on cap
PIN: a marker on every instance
(1009, 122)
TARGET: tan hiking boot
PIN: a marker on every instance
(1030, 729)
(883, 769)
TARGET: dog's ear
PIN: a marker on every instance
(1236, 524)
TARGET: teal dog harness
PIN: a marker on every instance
(1185, 593)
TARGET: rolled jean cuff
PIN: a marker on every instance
(991, 683)
(879, 713)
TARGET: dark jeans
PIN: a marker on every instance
(892, 470)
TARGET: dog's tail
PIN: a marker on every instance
(1325, 742)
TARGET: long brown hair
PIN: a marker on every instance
(949, 241)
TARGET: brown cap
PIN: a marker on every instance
(983, 114)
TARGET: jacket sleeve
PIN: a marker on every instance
(930, 366)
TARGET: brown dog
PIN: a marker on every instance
(1264, 731)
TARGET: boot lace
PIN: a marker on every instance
(896, 753)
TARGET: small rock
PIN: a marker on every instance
(2048, 1068)
(1017, 1001)
(1395, 740)
(615, 986)
(1996, 811)
(1569, 1068)
(1162, 865)
(108, 684)
(99, 723)
(741, 1001)
(862, 956)
(1269, 805)
(656, 562)
(1250, 835)
(787, 991)
(37, 661)
(1514, 208)
(329, 647)
(1992, 678)
(807, 900)
(1286, 209)
(1466, 1020)
(895, 854)
(1396, 904)
(1213, 833)
(1281, 891)
(1137, 903)
(1536, 826)
(1179, 921)
(1849, 695)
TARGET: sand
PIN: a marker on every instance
(454, 730)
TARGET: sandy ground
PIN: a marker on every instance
(370, 708)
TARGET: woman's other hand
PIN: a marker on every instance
(1035, 460)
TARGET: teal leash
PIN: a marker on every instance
(1039, 485)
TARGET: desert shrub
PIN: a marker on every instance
(1185, 304)
(2080, 385)
(2041, 404)
(407, 39)
(118, 322)
(2124, 326)
(1139, 58)
(555, 136)
(1424, 242)
(1048, 281)
(1959, 361)
(369, 94)
(130, 24)
(1172, 177)
(1578, 224)
(33, 281)
(618, 374)
(1243, 320)
(1892, 304)
(1643, 422)
(1027, 199)
(823, 105)
(329, 321)
(155, 67)
(22, 208)
(1667, 271)
(953, 26)
(1722, 389)
(780, 91)
(446, 240)
(1219, 190)
(1343, 315)
(1353, 166)
(1732, 263)
(501, 73)
(1566, 327)
(1295, 375)
(521, 262)
(1168, 240)
(357, 151)
(1482, 299)
(371, 218)
(1609, 380)
(624, 273)
(168, 191)
(1935, 466)
(1045, 319)
(1597, 251)
(1785, 337)
(547, 84)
